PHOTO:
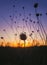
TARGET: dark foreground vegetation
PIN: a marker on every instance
(23, 56)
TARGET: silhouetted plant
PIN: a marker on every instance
(15, 22)
(34, 22)
(35, 5)
(37, 14)
(30, 34)
(38, 22)
(23, 37)
(46, 13)
(40, 14)
(23, 19)
(29, 14)
(27, 18)
(14, 6)
(30, 20)
(15, 34)
(23, 7)
(2, 37)
(37, 30)
(20, 14)
(32, 31)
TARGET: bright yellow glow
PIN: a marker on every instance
(21, 43)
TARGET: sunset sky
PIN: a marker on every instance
(12, 14)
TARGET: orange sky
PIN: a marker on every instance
(21, 44)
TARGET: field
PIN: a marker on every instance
(23, 56)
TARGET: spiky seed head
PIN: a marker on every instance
(23, 36)
(35, 5)
(37, 14)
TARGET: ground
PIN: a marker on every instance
(23, 56)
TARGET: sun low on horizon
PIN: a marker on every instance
(23, 23)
